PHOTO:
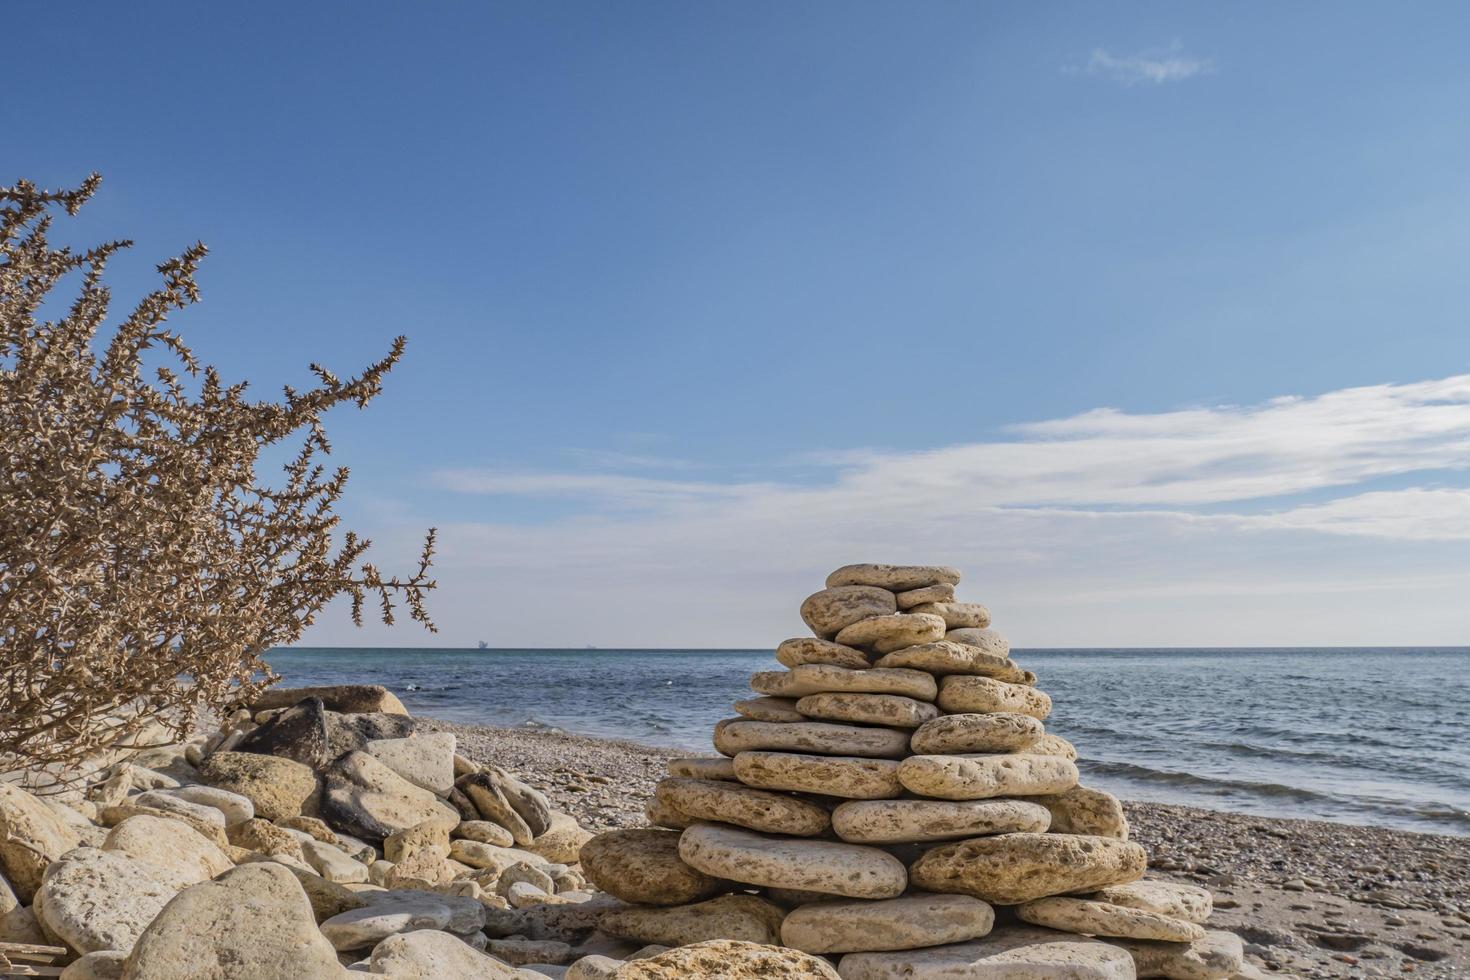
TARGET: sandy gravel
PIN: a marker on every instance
(1311, 899)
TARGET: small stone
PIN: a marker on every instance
(488, 856)
(1218, 956)
(331, 863)
(1188, 902)
(405, 912)
(956, 615)
(910, 922)
(644, 867)
(893, 632)
(848, 777)
(977, 777)
(892, 710)
(829, 611)
(944, 592)
(594, 967)
(660, 814)
(277, 788)
(947, 657)
(1101, 919)
(1081, 810)
(739, 917)
(1012, 954)
(850, 870)
(429, 955)
(523, 894)
(485, 832)
(918, 821)
(810, 737)
(518, 952)
(964, 694)
(1001, 731)
(895, 578)
(431, 836)
(719, 768)
(811, 650)
(769, 709)
(744, 806)
(425, 760)
(31, 837)
(1012, 868)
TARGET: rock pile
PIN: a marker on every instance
(891, 800)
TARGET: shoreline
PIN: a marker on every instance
(1310, 898)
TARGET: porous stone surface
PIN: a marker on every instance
(769, 709)
(909, 922)
(563, 840)
(387, 915)
(644, 867)
(831, 610)
(956, 615)
(93, 899)
(741, 917)
(813, 650)
(744, 806)
(848, 777)
(884, 634)
(943, 592)
(1001, 731)
(1180, 901)
(712, 768)
(430, 955)
(909, 821)
(729, 960)
(822, 866)
(1091, 918)
(810, 737)
(977, 777)
(276, 787)
(236, 808)
(484, 831)
(959, 693)
(1053, 745)
(892, 710)
(1218, 955)
(948, 657)
(1013, 954)
(1082, 810)
(818, 678)
(169, 844)
(895, 578)
(1012, 868)
(31, 837)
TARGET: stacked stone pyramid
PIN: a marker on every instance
(892, 798)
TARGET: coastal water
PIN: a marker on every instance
(1371, 736)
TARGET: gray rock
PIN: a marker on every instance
(424, 760)
(365, 798)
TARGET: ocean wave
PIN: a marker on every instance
(1207, 784)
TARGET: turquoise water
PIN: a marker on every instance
(1375, 736)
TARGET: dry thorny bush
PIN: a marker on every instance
(144, 566)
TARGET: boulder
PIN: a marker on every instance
(960, 693)
(171, 845)
(849, 777)
(298, 732)
(426, 761)
(1081, 810)
(253, 922)
(1012, 868)
(529, 803)
(812, 650)
(92, 899)
(1008, 954)
(830, 611)
(892, 710)
(1001, 731)
(346, 698)
(644, 867)
(978, 777)
(744, 806)
(884, 634)
(276, 787)
(365, 798)
(894, 578)
(909, 922)
(1053, 745)
(741, 917)
(194, 814)
(31, 837)
(848, 870)
(1188, 902)
(729, 960)
(1091, 918)
(810, 737)
(429, 955)
(920, 821)
(178, 810)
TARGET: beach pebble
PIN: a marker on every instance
(910, 922)
(956, 615)
(235, 807)
(1000, 731)
(1092, 918)
(892, 710)
(831, 610)
(1012, 868)
(810, 650)
(810, 737)
(487, 856)
(740, 917)
(978, 777)
(744, 806)
(847, 777)
(964, 694)
(837, 869)
(917, 821)
(892, 632)
(331, 863)
(1082, 810)
(643, 866)
(1005, 955)
(483, 831)
(161, 800)
(895, 578)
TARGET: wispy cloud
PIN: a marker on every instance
(1154, 67)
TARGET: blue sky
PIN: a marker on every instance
(704, 299)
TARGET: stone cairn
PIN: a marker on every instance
(892, 798)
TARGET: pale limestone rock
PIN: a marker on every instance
(644, 867)
(519, 952)
(893, 632)
(406, 912)
(917, 821)
(104, 964)
(484, 831)
(979, 777)
(429, 955)
(1081, 810)
(235, 807)
(478, 855)
(93, 899)
(740, 917)
(847, 777)
(895, 578)
(810, 737)
(828, 612)
(195, 813)
(819, 678)
(1009, 954)
(956, 615)
(367, 799)
(1091, 918)
(1218, 956)
(8, 900)
(729, 960)
(20, 925)
(999, 731)
(425, 760)
(948, 657)
(1053, 745)
(892, 710)
(1012, 868)
(909, 922)
(277, 788)
(333, 865)
(944, 592)
(431, 836)
(964, 694)
(769, 709)
(254, 922)
(714, 768)
(744, 806)
(562, 841)
(265, 837)
(811, 650)
(835, 869)
(31, 837)
(523, 894)
(171, 845)
(777, 683)
(1188, 902)
(111, 816)
(660, 814)
(594, 967)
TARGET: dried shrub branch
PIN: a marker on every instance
(138, 547)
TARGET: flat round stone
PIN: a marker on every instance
(850, 778)
(910, 922)
(1082, 810)
(829, 611)
(948, 657)
(893, 710)
(1217, 956)
(777, 684)
(943, 592)
(811, 650)
(744, 806)
(1053, 745)
(823, 866)
(918, 821)
(769, 709)
(1000, 731)
(895, 578)
(720, 768)
(1091, 918)
(979, 777)
(1012, 868)
(1008, 954)
(744, 918)
(643, 866)
(1188, 902)
(820, 678)
(957, 615)
(811, 736)
(963, 694)
(888, 633)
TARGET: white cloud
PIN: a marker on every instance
(1154, 67)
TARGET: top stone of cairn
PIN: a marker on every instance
(895, 578)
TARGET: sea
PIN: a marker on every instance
(1364, 736)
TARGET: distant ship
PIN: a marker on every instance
(484, 645)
